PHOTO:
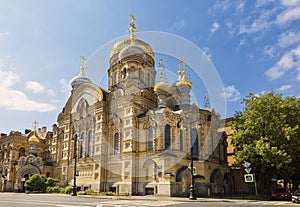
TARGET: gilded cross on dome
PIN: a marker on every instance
(34, 124)
(181, 69)
(161, 66)
(132, 26)
(82, 65)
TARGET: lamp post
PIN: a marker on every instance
(74, 189)
(192, 187)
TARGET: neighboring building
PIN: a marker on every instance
(135, 137)
(22, 155)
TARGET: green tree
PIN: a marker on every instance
(267, 134)
(36, 183)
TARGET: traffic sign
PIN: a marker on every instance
(194, 171)
(249, 178)
(246, 164)
(248, 170)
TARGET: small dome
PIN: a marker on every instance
(184, 82)
(79, 79)
(161, 86)
(131, 50)
(33, 138)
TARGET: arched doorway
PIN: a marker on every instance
(183, 177)
(24, 174)
(217, 183)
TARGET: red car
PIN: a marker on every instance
(280, 194)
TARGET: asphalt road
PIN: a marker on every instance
(53, 200)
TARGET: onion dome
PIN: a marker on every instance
(33, 138)
(131, 50)
(182, 81)
(129, 41)
(131, 44)
(161, 85)
(81, 77)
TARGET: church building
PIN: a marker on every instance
(135, 137)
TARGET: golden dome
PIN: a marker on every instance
(129, 41)
(161, 86)
(184, 81)
(33, 138)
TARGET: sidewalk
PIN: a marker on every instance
(165, 198)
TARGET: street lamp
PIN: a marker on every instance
(192, 187)
(74, 189)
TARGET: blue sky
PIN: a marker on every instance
(254, 46)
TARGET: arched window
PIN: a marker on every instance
(21, 152)
(148, 79)
(181, 141)
(82, 145)
(132, 72)
(125, 74)
(194, 142)
(116, 143)
(167, 137)
(150, 140)
(116, 77)
(90, 143)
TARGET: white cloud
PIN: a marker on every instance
(50, 92)
(222, 5)
(290, 2)
(289, 14)
(231, 93)
(261, 23)
(177, 26)
(284, 87)
(17, 100)
(215, 26)
(289, 61)
(34, 87)
(65, 86)
(242, 42)
(288, 38)
(207, 52)
(269, 51)
(240, 6)
(4, 34)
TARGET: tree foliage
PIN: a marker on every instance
(36, 183)
(267, 134)
(39, 183)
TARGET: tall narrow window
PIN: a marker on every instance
(132, 72)
(181, 141)
(150, 141)
(82, 145)
(194, 142)
(116, 143)
(90, 143)
(167, 137)
(116, 77)
(148, 79)
(21, 152)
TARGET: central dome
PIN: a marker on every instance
(131, 50)
(132, 44)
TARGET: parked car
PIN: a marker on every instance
(280, 194)
(296, 196)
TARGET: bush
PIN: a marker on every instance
(89, 192)
(68, 189)
(55, 189)
(36, 183)
(51, 182)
